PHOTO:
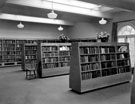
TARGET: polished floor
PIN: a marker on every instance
(15, 89)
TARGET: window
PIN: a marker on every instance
(126, 30)
(127, 34)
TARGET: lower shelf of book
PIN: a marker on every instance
(49, 72)
(88, 85)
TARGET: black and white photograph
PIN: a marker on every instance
(67, 51)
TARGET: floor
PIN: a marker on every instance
(15, 89)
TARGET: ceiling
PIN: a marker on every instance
(35, 9)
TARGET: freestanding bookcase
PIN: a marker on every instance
(53, 59)
(29, 54)
(97, 65)
(10, 52)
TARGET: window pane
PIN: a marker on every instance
(121, 40)
(131, 42)
(126, 33)
(126, 30)
(132, 31)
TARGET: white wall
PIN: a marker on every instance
(8, 29)
(88, 29)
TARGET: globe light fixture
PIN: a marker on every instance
(52, 14)
(20, 25)
(102, 21)
(60, 28)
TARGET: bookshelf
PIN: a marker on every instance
(29, 54)
(53, 59)
(18, 47)
(97, 65)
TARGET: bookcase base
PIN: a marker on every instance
(8, 64)
(96, 83)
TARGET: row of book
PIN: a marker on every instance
(64, 53)
(53, 54)
(19, 41)
(50, 65)
(54, 59)
(30, 52)
(63, 64)
(18, 53)
(64, 48)
(8, 60)
(122, 55)
(88, 67)
(105, 57)
(108, 64)
(8, 49)
(30, 47)
(89, 50)
(67, 59)
(8, 41)
(8, 45)
(9, 53)
(18, 57)
(8, 57)
(123, 62)
(124, 69)
(54, 65)
(86, 59)
(49, 48)
(31, 57)
(90, 75)
(110, 71)
(50, 60)
(110, 49)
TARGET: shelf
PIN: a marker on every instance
(89, 62)
(53, 59)
(92, 71)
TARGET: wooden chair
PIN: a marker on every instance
(31, 72)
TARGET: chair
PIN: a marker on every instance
(31, 72)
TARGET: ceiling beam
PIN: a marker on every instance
(122, 4)
(13, 17)
(44, 4)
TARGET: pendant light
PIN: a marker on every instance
(60, 28)
(102, 21)
(20, 25)
(52, 14)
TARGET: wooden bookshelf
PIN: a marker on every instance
(19, 48)
(53, 59)
(10, 52)
(97, 65)
(29, 54)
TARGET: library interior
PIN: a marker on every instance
(67, 52)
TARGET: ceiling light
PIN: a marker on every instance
(102, 21)
(20, 25)
(60, 28)
(52, 14)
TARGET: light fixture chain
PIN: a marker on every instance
(52, 4)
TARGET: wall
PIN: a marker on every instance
(123, 19)
(123, 16)
(8, 29)
(88, 29)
